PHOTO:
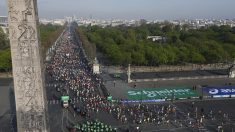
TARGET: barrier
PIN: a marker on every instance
(143, 101)
(161, 93)
(180, 78)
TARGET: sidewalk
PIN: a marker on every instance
(6, 75)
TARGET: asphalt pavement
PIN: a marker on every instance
(7, 106)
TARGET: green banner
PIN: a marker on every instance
(161, 93)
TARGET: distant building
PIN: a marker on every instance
(157, 38)
(53, 22)
(69, 19)
(59, 22)
(115, 23)
(4, 23)
(191, 24)
(45, 21)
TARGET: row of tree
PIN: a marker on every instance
(123, 45)
(48, 34)
(90, 48)
(5, 54)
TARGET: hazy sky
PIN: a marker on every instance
(134, 9)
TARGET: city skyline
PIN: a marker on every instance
(134, 9)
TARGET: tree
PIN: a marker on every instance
(184, 35)
(177, 28)
(167, 28)
(138, 58)
(197, 57)
(4, 42)
(89, 46)
(131, 35)
(114, 54)
(5, 59)
(174, 38)
(230, 50)
(130, 45)
(228, 37)
(48, 35)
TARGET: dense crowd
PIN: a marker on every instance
(73, 76)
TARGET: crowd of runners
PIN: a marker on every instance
(72, 76)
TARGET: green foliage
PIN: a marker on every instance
(123, 45)
(4, 43)
(90, 48)
(5, 60)
(5, 54)
(48, 35)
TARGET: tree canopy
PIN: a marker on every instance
(5, 54)
(123, 45)
(48, 35)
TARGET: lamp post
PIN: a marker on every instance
(141, 96)
(202, 92)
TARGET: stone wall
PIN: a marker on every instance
(162, 68)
